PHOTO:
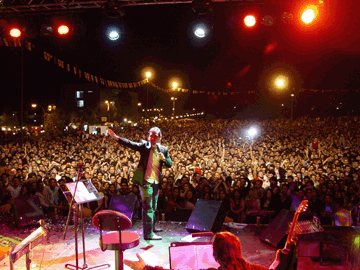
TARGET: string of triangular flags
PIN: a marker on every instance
(168, 90)
(10, 42)
(90, 77)
(108, 83)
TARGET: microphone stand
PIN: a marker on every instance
(76, 209)
(71, 204)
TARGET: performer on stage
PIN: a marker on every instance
(148, 175)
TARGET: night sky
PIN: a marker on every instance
(322, 56)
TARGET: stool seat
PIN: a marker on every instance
(116, 239)
(128, 240)
(111, 220)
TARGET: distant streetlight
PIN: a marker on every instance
(35, 106)
(148, 75)
(173, 109)
(292, 107)
(281, 82)
(108, 109)
(108, 103)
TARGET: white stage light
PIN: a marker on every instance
(114, 34)
(200, 32)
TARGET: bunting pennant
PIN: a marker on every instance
(17, 42)
(14, 42)
(47, 56)
(60, 63)
(28, 45)
(87, 76)
(75, 70)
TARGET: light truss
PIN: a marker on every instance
(50, 6)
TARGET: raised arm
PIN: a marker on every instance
(125, 142)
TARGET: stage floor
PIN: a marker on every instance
(56, 252)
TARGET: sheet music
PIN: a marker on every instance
(205, 258)
(82, 194)
(183, 257)
(85, 192)
(192, 257)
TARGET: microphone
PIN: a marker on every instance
(161, 156)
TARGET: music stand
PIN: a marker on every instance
(84, 192)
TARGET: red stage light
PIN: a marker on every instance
(308, 16)
(249, 20)
(15, 32)
(63, 29)
(309, 13)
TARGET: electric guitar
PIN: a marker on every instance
(284, 257)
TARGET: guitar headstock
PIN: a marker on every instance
(302, 207)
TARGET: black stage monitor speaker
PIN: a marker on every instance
(27, 211)
(275, 232)
(208, 215)
(125, 204)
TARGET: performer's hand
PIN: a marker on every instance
(112, 134)
(161, 156)
(139, 265)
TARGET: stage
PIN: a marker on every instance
(54, 253)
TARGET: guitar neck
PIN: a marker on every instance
(292, 228)
(300, 209)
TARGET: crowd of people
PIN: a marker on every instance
(254, 176)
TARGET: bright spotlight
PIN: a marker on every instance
(113, 32)
(308, 16)
(249, 20)
(114, 35)
(15, 32)
(252, 132)
(201, 30)
(63, 29)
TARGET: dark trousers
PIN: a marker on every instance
(149, 194)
